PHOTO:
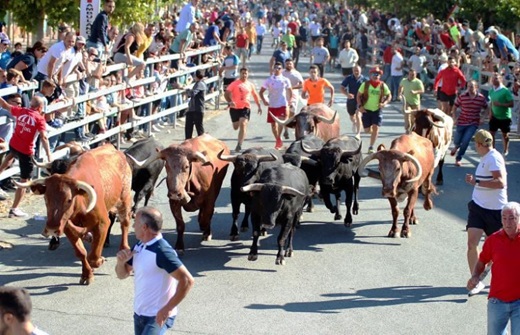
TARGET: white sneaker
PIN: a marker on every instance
(17, 212)
(156, 129)
(476, 290)
(3, 195)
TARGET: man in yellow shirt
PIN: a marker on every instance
(251, 34)
(314, 88)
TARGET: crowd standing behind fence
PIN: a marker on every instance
(121, 86)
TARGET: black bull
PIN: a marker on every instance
(339, 160)
(277, 199)
(249, 166)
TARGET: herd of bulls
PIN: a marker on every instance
(83, 194)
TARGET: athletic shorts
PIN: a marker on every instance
(489, 220)
(237, 113)
(371, 118)
(346, 71)
(227, 81)
(496, 124)
(447, 98)
(351, 107)
(333, 53)
(279, 112)
(25, 161)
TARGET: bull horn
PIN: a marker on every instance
(352, 152)
(30, 183)
(404, 109)
(252, 187)
(306, 149)
(267, 158)
(438, 116)
(291, 191)
(200, 156)
(281, 122)
(418, 166)
(325, 120)
(47, 165)
(91, 193)
(361, 169)
(227, 158)
(147, 161)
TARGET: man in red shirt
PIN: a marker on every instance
(29, 123)
(452, 78)
(503, 250)
(242, 46)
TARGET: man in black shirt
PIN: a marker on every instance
(195, 113)
(99, 30)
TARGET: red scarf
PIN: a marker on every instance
(375, 83)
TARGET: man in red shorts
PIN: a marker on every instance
(238, 94)
(280, 93)
(29, 123)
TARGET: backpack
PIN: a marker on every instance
(364, 97)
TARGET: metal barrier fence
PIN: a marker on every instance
(115, 132)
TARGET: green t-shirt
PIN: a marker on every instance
(414, 85)
(374, 94)
(289, 39)
(502, 95)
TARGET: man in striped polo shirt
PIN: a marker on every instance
(472, 106)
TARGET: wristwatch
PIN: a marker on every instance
(477, 182)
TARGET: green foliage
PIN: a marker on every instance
(130, 11)
(503, 13)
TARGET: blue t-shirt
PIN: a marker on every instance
(209, 40)
(5, 57)
(333, 41)
(280, 56)
(351, 84)
(502, 42)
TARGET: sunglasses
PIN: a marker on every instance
(278, 68)
(376, 74)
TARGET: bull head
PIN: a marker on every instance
(232, 158)
(380, 155)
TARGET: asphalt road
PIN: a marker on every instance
(340, 280)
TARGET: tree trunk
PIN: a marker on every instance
(40, 29)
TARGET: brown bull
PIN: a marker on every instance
(404, 169)
(79, 200)
(318, 119)
(195, 176)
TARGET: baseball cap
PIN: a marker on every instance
(492, 31)
(375, 69)
(484, 137)
(81, 39)
(5, 41)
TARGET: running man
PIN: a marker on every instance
(238, 94)
(314, 88)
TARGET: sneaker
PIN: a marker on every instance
(286, 134)
(278, 144)
(3, 195)
(371, 150)
(506, 153)
(458, 163)
(476, 290)
(17, 212)
(238, 148)
(156, 129)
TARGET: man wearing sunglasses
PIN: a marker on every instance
(373, 95)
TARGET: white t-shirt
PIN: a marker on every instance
(294, 78)
(276, 87)
(73, 58)
(487, 197)
(348, 58)
(58, 51)
(397, 61)
(315, 29)
(320, 54)
(417, 63)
